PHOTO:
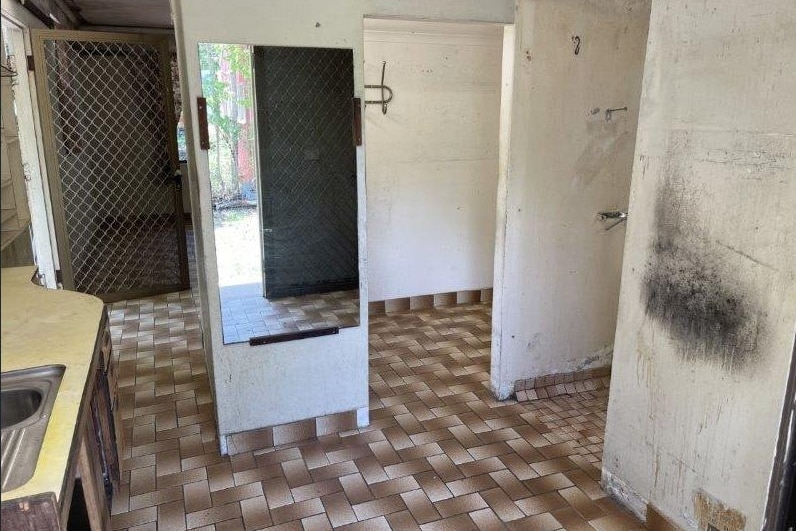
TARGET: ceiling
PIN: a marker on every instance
(129, 13)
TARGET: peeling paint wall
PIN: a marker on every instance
(707, 309)
(557, 270)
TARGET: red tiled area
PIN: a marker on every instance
(440, 452)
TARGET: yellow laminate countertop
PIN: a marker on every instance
(48, 327)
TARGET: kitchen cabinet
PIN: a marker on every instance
(93, 455)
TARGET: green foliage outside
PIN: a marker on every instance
(224, 99)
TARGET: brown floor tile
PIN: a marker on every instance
(460, 504)
(441, 452)
(421, 508)
(356, 489)
(171, 516)
(212, 515)
(461, 522)
(402, 520)
(297, 511)
(487, 520)
(539, 522)
(338, 509)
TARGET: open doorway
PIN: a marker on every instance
(283, 186)
(432, 161)
(40, 237)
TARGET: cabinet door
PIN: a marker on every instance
(102, 411)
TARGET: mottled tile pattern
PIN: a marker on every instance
(246, 313)
(566, 383)
(440, 452)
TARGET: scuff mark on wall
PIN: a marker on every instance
(688, 287)
(607, 141)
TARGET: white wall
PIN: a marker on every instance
(708, 304)
(557, 269)
(432, 159)
(274, 384)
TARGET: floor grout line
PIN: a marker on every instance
(440, 452)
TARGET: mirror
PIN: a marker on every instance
(284, 189)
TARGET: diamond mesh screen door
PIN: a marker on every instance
(110, 145)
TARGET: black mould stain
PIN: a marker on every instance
(688, 290)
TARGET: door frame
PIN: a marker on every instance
(783, 474)
(32, 153)
(38, 38)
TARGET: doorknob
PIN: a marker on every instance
(618, 215)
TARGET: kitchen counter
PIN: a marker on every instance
(40, 326)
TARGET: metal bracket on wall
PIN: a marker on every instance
(204, 132)
(8, 71)
(609, 113)
(617, 215)
(385, 99)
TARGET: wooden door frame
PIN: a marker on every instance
(782, 476)
(161, 43)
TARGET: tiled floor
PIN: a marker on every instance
(440, 452)
(246, 313)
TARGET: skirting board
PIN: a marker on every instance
(436, 300)
(624, 495)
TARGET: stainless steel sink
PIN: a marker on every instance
(26, 400)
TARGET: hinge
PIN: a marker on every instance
(59, 276)
(30, 63)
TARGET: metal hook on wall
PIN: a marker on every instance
(385, 99)
(9, 70)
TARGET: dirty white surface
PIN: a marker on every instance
(311, 377)
(698, 407)
(432, 164)
(557, 280)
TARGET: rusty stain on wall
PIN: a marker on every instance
(712, 514)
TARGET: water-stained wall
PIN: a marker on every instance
(570, 156)
(707, 310)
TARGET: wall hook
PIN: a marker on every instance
(617, 215)
(576, 42)
(385, 98)
(609, 112)
(10, 69)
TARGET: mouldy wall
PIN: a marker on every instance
(559, 270)
(708, 300)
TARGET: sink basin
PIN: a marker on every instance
(18, 405)
(26, 400)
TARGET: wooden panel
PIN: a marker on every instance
(204, 132)
(91, 477)
(37, 512)
(102, 405)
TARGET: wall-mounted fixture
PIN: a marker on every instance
(610, 112)
(385, 98)
(617, 215)
(10, 69)
(576, 43)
